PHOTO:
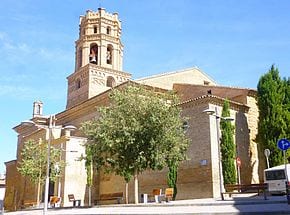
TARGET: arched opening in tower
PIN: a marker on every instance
(94, 54)
(80, 58)
(109, 54)
(111, 82)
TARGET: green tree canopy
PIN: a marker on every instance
(140, 130)
(228, 147)
(34, 162)
(286, 106)
(273, 104)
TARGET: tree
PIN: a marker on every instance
(286, 106)
(34, 162)
(273, 104)
(228, 148)
(140, 130)
(172, 177)
(89, 171)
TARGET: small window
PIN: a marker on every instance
(38, 108)
(78, 83)
(206, 83)
(185, 126)
(109, 30)
(111, 82)
(95, 29)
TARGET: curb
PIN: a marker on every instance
(220, 202)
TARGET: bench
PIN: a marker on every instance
(112, 196)
(158, 196)
(156, 193)
(169, 194)
(54, 200)
(245, 188)
(76, 202)
(29, 203)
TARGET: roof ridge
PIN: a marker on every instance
(218, 86)
(175, 72)
(209, 96)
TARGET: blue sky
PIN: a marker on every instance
(234, 42)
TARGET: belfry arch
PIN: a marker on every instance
(94, 50)
(109, 54)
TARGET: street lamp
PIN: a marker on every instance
(50, 127)
(213, 112)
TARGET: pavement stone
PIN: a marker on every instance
(236, 205)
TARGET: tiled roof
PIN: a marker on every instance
(215, 100)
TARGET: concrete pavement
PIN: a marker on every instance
(235, 205)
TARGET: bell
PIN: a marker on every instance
(93, 59)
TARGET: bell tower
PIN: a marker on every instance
(98, 57)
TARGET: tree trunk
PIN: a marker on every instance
(136, 187)
(90, 184)
(127, 193)
(38, 192)
(90, 196)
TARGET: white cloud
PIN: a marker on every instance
(15, 91)
(24, 93)
(23, 51)
(11, 48)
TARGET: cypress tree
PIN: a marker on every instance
(228, 148)
(172, 177)
(286, 106)
(272, 101)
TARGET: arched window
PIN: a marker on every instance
(111, 82)
(94, 54)
(109, 54)
(38, 109)
(80, 58)
(78, 83)
(108, 30)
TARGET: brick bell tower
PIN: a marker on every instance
(98, 57)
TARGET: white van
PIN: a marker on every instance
(276, 178)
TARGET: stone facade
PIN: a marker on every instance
(89, 87)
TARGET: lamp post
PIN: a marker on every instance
(50, 127)
(214, 112)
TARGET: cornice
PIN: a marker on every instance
(213, 100)
(91, 66)
(249, 91)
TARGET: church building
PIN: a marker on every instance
(98, 69)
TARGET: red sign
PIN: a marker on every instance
(239, 162)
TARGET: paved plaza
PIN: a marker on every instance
(236, 205)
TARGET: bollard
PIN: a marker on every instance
(288, 191)
(144, 198)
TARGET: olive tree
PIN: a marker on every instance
(33, 163)
(139, 130)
